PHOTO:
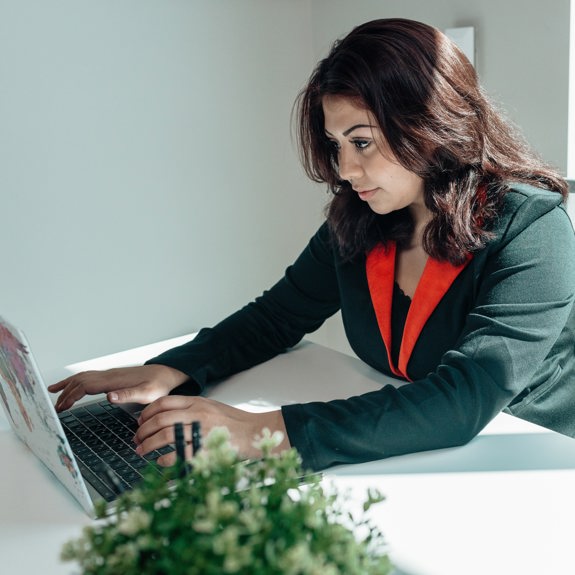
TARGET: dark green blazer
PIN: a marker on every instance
(500, 336)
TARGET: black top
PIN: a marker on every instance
(399, 309)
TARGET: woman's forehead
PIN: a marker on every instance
(339, 111)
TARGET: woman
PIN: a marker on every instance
(446, 247)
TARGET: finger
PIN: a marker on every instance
(167, 403)
(171, 458)
(162, 422)
(72, 393)
(144, 393)
(167, 460)
(161, 438)
(77, 386)
(59, 386)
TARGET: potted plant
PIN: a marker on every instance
(225, 515)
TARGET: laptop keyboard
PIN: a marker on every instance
(101, 434)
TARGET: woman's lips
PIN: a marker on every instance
(366, 195)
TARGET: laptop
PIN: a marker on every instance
(88, 448)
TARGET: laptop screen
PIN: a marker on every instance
(30, 411)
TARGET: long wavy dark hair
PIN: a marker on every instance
(438, 122)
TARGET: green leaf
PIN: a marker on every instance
(232, 516)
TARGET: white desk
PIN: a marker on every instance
(504, 504)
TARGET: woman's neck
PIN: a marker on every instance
(421, 217)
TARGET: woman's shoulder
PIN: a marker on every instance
(531, 196)
(524, 204)
(529, 218)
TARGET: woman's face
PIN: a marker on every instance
(366, 161)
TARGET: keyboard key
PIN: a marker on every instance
(100, 433)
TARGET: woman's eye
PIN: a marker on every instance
(361, 144)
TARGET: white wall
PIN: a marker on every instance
(571, 128)
(148, 181)
(522, 53)
(149, 184)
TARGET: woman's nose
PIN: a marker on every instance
(348, 166)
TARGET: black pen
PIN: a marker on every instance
(180, 447)
(196, 437)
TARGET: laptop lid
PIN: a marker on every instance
(31, 413)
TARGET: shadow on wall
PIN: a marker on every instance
(571, 201)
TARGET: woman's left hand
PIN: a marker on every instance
(157, 422)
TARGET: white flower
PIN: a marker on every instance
(126, 554)
(268, 440)
(206, 525)
(134, 521)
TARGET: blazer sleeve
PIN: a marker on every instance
(524, 298)
(277, 320)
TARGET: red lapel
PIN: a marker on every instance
(436, 279)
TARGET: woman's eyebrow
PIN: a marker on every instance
(350, 130)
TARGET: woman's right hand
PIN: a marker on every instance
(140, 384)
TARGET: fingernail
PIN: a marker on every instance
(113, 396)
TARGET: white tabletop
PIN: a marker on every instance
(503, 504)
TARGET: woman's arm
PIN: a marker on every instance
(524, 301)
(296, 305)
